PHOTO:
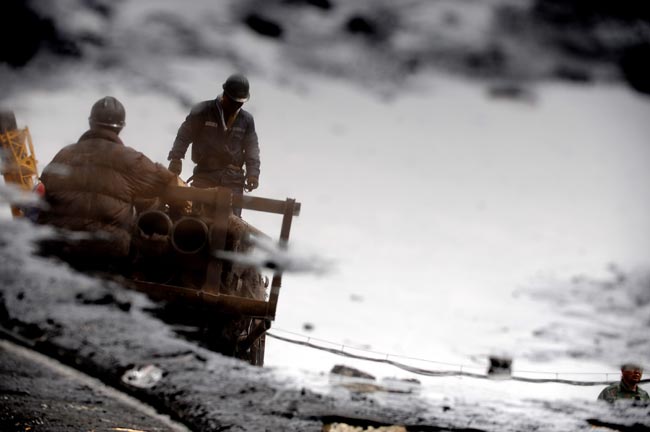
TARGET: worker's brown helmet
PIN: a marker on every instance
(237, 88)
(107, 112)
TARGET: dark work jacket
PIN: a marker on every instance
(91, 186)
(216, 149)
(620, 390)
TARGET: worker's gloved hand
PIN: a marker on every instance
(252, 183)
(175, 166)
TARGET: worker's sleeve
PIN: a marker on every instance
(606, 395)
(184, 137)
(251, 151)
(147, 178)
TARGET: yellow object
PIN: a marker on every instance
(18, 161)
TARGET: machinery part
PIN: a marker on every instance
(189, 235)
(178, 194)
(239, 234)
(17, 156)
(257, 329)
(154, 222)
(153, 229)
(227, 304)
(237, 88)
(229, 299)
(256, 357)
(108, 111)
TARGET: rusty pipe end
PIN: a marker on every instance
(153, 222)
(189, 235)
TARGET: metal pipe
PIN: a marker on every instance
(189, 235)
(154, 222)
(152, 229)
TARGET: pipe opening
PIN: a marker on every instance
(154, 222)
(189, 235)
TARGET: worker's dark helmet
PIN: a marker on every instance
(237, 88)
(107, 112)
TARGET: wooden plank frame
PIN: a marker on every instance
(220, 201)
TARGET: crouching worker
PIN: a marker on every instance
(90, 189)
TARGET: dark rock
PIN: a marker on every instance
(413, 381)
(308, 327)
(376, 25)
(30, 33)
(91, 39)
(103, 299)
(101, 7)
(557, 12)
(510, 91)
(362, 25)
(350, 372)
(4, 313)
(412, 65)
(31, 331)
(263, 26)
(187, 37)
(573, 74)
(583, 44)
(572, 11)
(320, 4)
(636, 427)
(124, 306)
(500, 367)
(95, 298)
(489, 61)
(635, 66)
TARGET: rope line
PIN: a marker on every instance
(383, 354)
(439, 373)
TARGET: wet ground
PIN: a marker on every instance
(106, 331)
(38, 394)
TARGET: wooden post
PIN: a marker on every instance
(276, 284)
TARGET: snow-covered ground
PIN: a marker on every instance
(456, 219)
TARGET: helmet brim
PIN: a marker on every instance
(240, 99)
(106, 124)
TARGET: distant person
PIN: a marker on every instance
(90, 188)
(223, 141)
(628, 388)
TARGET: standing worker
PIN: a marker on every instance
(91, 187)
(224, 140)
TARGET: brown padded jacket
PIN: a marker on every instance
(91, 186)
